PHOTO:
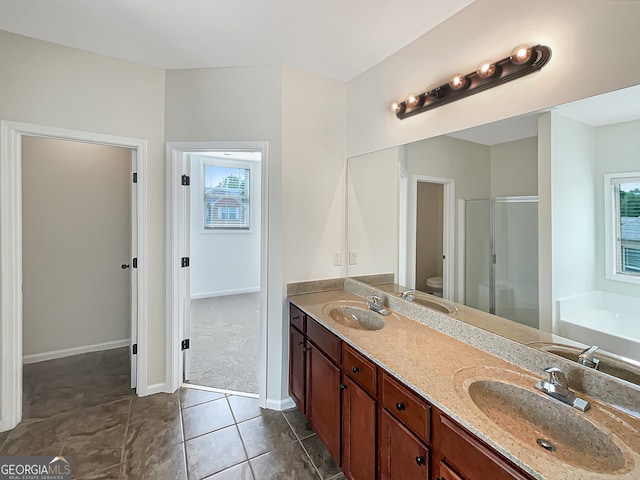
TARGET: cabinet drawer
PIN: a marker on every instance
(324, 340)
(296, 317)
(470, 457)
(359, 369)
(411, 410)
(445, 473)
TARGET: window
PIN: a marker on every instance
(622, 191)
(226, 196)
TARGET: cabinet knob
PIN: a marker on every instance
(400, 406)
(420, 461)
(355, 369)
(300, 343)
(343, 386)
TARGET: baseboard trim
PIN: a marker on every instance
(98, 347)
(279, 405)
(224, 293)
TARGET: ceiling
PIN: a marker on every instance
(606, 109)
(339, 39)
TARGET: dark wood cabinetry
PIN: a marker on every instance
(323, 399)
(359, 412)
(464, 455)
(373, 425)
(402, 454)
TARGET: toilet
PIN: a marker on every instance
(434, 286)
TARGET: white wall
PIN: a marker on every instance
(314, 171)
(514, 168)
(76, 215)
(47, 84)
(617, 149)
(223, 263)
(373, 196)
(566, 211)
(589, 40)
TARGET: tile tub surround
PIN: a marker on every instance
(404, 344)
(191, 434)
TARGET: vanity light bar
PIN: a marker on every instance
(522, 61)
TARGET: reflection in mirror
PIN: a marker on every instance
(526, 218)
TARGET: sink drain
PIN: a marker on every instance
(546, 444)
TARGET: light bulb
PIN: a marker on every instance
(412, 99)
(458, 81)
(486, 69)
(395, 107)
(521, 54)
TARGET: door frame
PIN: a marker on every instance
(448, 231)
(11, 134)
(176, 223)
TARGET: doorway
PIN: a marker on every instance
(224, 270)
(11, 231)
(429, 249)
(209, 275)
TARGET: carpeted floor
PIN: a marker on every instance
(225, 334)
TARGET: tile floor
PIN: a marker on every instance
(82, 407)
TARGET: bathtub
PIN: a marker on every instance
(609, 320)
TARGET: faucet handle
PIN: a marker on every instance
(557, 377)
(586, 358)
(376, 300)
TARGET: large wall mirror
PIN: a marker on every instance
(514, 218)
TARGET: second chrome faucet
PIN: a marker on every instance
(556, 386)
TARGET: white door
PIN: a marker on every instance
(185, 199)
(133, 258)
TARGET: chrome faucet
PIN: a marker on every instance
(375, 304)
(408, 295)
(586, 358)
(558, 388)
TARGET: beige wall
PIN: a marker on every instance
(514, 168)
(47, 84)
(303, 116)
(76, 214)
(590, 42)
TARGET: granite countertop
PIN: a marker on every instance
(440, 368)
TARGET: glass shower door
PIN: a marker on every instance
(515, 248)
(477, 266)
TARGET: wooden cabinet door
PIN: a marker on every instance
(323, 399)
(402, 455)
(297, 365)
(358, 432)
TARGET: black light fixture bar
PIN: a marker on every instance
(505, 71)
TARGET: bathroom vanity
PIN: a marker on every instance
(406, 401)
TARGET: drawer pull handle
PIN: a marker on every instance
(355, 369)
(343, 386)
(420, 461)
(400, 406)
(300, 343)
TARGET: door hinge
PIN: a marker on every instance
(135, 348)
(135, 177)
(185, 344)
(134, 262)
(186, 180)
(494, 259)
(184, 261)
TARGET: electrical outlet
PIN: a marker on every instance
(353, 258)
(337, 259)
